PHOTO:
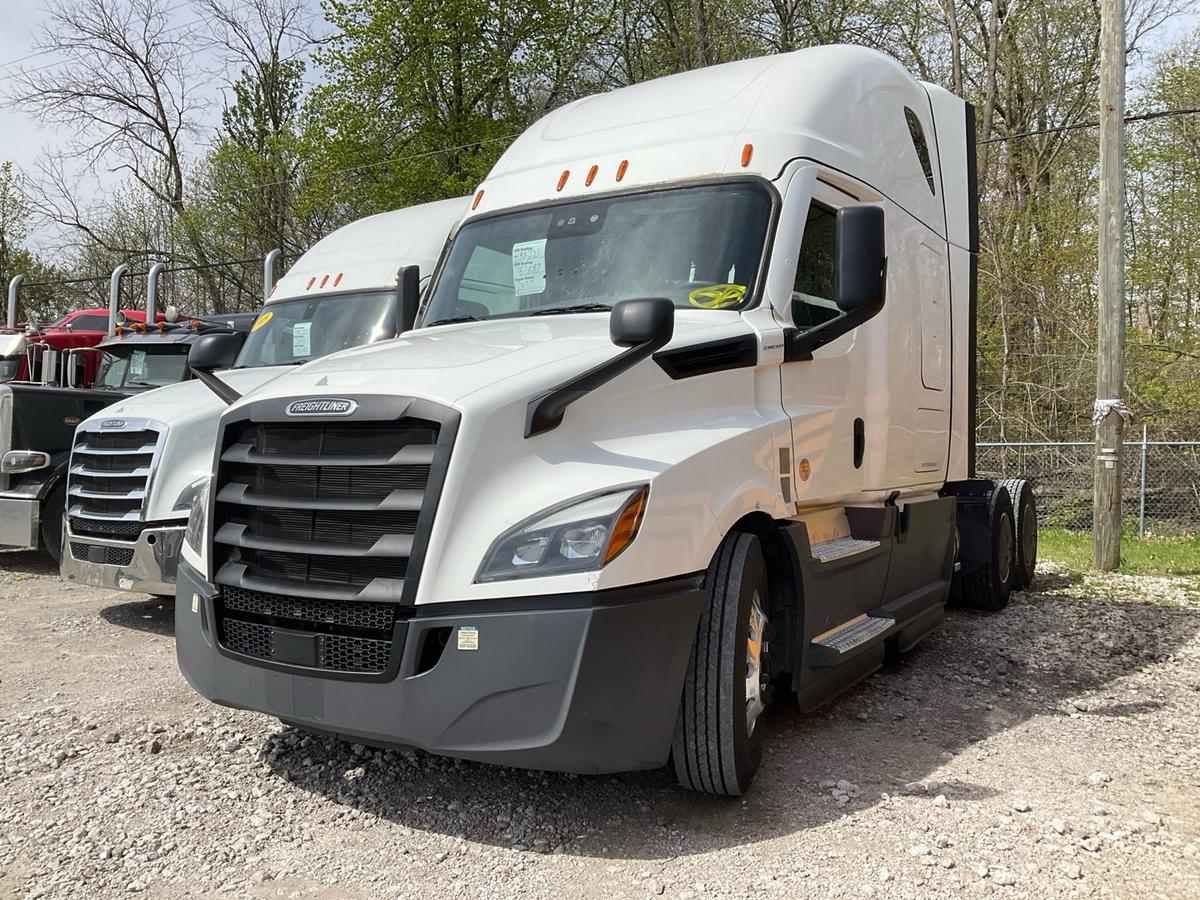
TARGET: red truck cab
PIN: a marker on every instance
(22, 348)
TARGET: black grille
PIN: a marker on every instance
(108, 556)
(105, 528)
(250, 638)
(309, 613)
(344, 462)
(113, 484)
(315, 527)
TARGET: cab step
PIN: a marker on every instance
(833, 646)
(840, 548)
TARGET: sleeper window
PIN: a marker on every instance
(918, 138)
(812, 293)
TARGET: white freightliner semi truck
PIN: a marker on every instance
(687, 416)
(134, 465)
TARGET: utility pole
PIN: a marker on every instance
(1110, 411)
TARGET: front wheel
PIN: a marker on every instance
(718, 746)
(52, 523)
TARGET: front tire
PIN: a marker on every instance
(52, 523)
(718, 746)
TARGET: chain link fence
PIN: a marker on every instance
(1160, 482)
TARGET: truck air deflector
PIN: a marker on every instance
(720, 355)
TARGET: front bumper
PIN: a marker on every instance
(146, 565)
(576, 683)
(20, 518)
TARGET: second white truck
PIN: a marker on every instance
(134, 465)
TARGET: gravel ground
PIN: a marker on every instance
(1050, 750)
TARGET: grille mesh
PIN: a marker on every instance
(105, 528)
(310, 612)
(113, 556)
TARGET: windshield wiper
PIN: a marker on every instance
(579, 307)
(453, 320)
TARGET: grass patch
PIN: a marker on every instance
(1152, 556)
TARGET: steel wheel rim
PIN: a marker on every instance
(754, 663)
(1004, 548)
(1028, 537)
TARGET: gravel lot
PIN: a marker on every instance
(1047, 751)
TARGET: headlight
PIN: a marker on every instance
(194, 533)
(15, 461)
(188, 496)
(578, 536)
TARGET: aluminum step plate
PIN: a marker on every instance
(840, 548)
(854, 633)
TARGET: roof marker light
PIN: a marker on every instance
(478, 197)
(338, 279)
(311, 282)
(591, 175)
(323, 280)
(747, 153)
(621, 169)
(562, 179)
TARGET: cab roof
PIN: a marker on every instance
(841, 105)
(368, 253)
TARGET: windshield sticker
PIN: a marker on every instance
(301, 340)
(137, 364)
(717, 296)
(529, 267)
(262, 320)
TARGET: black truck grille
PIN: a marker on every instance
(317, 530)
(108, 480)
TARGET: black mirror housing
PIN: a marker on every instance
(408, 298)
(215, 351)
(861, 269)
(642, 321)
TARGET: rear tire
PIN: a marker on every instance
(1025, 525)
(988, 587)
(51, 528)
(718, 746)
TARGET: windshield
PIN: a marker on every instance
(290, 332)
(700, 247)
(9, 368)
(127, 368)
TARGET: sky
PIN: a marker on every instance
(23, 140)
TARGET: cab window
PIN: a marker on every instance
(813, 290)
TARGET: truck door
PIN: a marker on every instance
(826, 397)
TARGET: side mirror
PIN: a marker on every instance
(215, 351)
(408, 298)
(642, 321)
(861, 259)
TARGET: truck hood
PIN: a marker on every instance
(450, 363)
(191, 400)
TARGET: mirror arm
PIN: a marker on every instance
(801, 344)
(545, 412)
(217, 386)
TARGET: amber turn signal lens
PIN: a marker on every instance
(627, 525)
(747, 153)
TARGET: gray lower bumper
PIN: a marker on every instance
(153, 558)
(576, 683)
(19, 521)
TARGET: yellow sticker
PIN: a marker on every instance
(468, 637)
(262, 320)
(717, 296)
(195, 603)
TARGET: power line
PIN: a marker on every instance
(1074, 126)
